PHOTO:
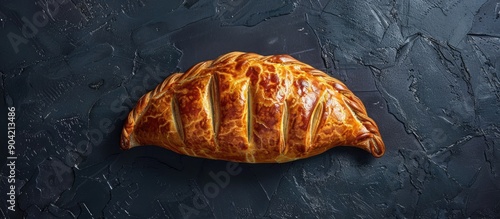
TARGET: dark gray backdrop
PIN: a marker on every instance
(427, 71)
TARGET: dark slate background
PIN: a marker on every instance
(427, 70)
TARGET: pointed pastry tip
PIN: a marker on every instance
(127, 140)
(377, 147)
(371, 142)
(125, 143)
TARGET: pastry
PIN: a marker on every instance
(244, 107)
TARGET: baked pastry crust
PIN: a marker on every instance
(244, 107)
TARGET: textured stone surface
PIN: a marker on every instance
(427, 71)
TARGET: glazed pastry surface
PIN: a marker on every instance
(244, 107)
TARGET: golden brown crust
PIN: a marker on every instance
(246, 107)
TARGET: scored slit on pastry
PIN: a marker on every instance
(336, 117)
(214, 106)
(249, 113)
(177, 118)
(284, 129)
(316, 119)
